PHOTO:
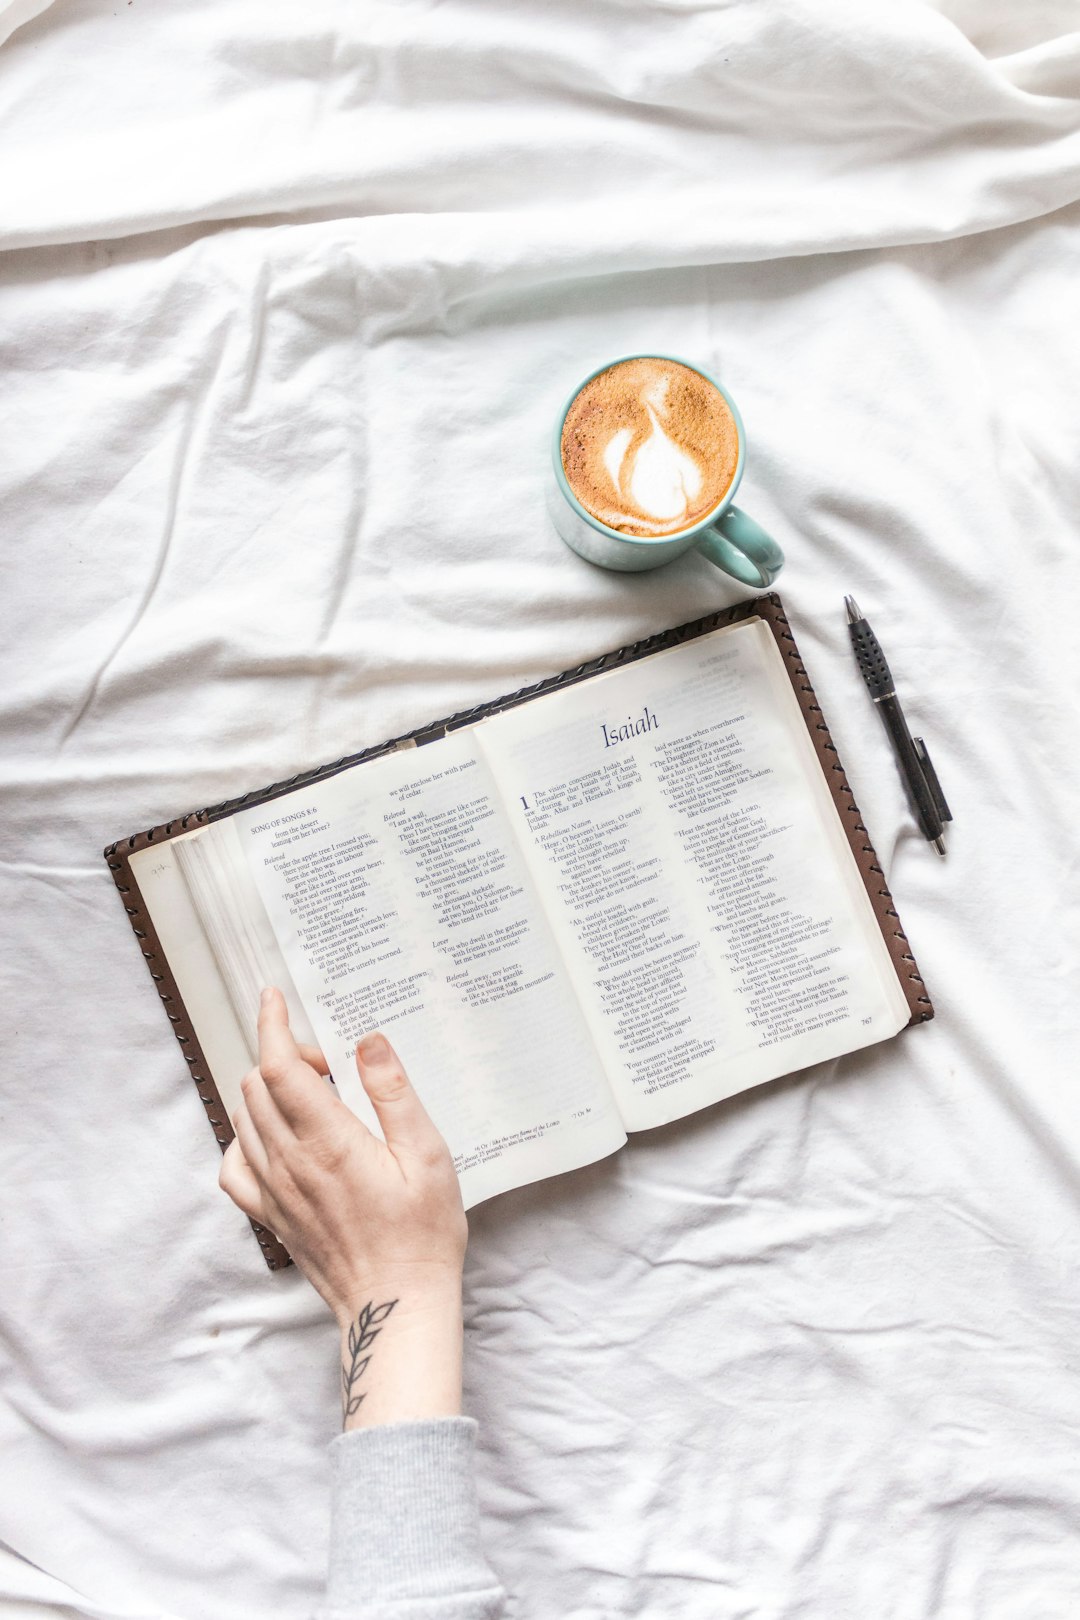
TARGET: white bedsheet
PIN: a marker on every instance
(289, 295)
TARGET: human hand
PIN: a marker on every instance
(371, 1224)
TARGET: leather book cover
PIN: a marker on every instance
(767, 607)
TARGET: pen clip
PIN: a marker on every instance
(940, 803)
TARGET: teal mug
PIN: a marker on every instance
(725, 535)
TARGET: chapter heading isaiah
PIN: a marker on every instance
(632, 726)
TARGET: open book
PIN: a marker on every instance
(575, 914)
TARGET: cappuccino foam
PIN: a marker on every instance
(649, 446)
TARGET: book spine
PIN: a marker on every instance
(919, 1002)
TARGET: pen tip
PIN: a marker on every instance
(939, 845)
(854, 612)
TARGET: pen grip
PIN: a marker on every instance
(911, 771)
(871, 660)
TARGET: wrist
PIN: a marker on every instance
(417, 1291)
(401, 1347)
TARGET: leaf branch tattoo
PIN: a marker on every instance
(362, 1335)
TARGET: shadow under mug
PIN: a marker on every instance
(726, 536)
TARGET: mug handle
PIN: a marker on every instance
(741, 548)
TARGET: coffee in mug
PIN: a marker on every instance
(649, 446)
(646, 457)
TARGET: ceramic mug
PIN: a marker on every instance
(726, 536)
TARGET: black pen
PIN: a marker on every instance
(918, 774)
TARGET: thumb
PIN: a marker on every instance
(406, 1124)
(238, 1180)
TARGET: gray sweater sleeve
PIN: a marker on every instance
(405, 1526)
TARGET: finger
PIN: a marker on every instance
(405, 1121)
(314, 1056)
(251, 1144)
(238, 1180)
(267, 1120)
(288, 1078)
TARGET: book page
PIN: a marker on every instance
(696, 873)
(181, 931)
(238, 931)
(401, 902)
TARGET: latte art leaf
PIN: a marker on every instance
(615, 455)
(664, 480)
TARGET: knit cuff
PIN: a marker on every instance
(404, 1520)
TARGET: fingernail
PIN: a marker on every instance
(265, 997)
(372, 1048)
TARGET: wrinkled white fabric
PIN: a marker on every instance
(289, 297)
(13, 13)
